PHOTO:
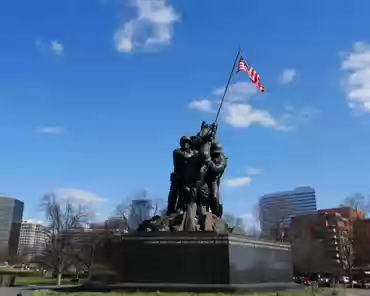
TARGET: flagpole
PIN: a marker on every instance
(227, 85)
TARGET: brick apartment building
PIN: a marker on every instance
(359, 226)
(362, 243)
(319, 241)
(346, 212)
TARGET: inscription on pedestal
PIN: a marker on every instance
(186, 242)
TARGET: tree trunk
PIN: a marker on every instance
(350, 275)
(92, 260)
(59, 279)
(351, 265)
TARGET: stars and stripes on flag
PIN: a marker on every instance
(243, 66)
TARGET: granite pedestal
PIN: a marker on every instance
(197, 261)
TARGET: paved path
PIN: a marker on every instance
(358, 292)
(13, 291)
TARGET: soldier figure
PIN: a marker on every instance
(180, 159)
(198, 167)
(194, 190)
(216, 168)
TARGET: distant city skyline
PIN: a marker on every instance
(249, 219)
(79, 196)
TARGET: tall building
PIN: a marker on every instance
(277, 209)
(359, 230)
(141, 209)
(11, 214)
(319, 243)
(32, 239)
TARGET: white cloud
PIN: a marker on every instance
(203, 105)
(288, 75)
(238, 111)
(77, 196)
(238, 182)
(356, 64)
(50, 130)
(152, 27)
(57, 47)
(292, 117)
(254, 171)
(52, 46)
(242, 115)
(243, 181)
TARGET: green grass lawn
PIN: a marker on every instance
(50, 293)
(39, 281)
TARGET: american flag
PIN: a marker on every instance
(253, 75)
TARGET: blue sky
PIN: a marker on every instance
(95, 95)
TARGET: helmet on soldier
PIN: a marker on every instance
(216, 148)
(184, 140)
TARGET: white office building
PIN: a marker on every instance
(141, 209)
(282, 206)
(32, 239)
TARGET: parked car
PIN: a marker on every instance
(324, 282)
(297, 279)
(343, 280)
(307, 282)
(366, 284)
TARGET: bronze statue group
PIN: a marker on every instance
(199, 164)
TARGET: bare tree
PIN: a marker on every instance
(131, 213)
(278, 214)
(358, 202)
(256, 212)
(360, 206)
(234, 221)
(26, 253)
(254, 230)
(123, 211)
(64, 221)
(85, 246)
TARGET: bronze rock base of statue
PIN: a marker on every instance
(177, 222)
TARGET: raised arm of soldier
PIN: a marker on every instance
(206, 134)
